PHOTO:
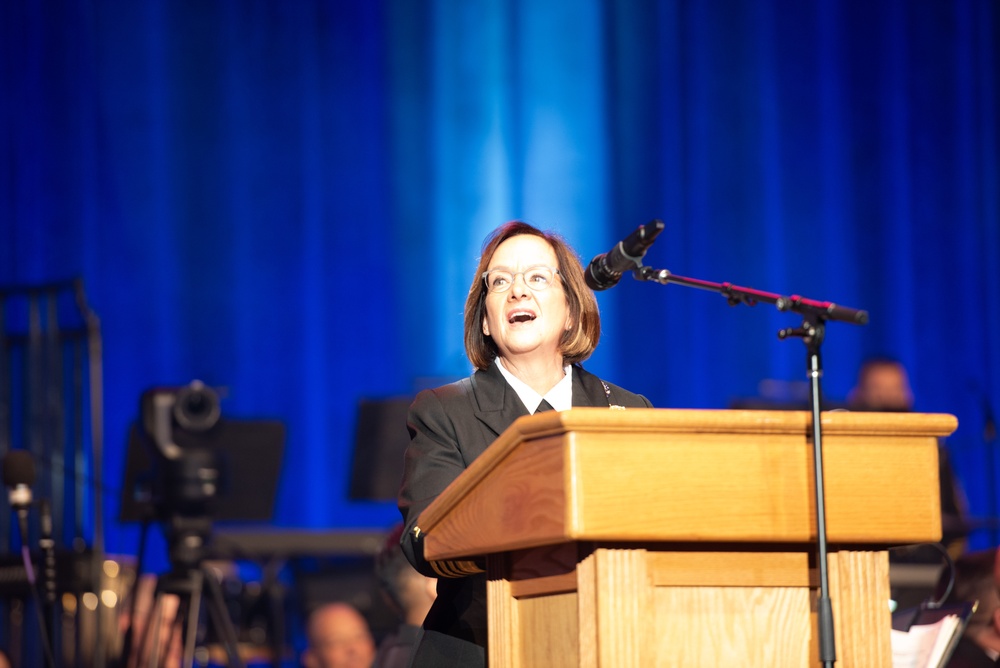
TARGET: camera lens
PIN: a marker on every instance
(197, 407)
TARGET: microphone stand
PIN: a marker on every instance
(43, 623)
(48, 548)
(815, 315)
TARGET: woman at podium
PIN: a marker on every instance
(530, 320)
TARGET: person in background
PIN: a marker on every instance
(884, 385)
(977, 578)
(530, 320)
(339, 637)
(409, 594)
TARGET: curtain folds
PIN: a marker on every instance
(287, 199)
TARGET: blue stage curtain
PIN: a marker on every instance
(287, 198)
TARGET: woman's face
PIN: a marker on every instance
(521, 320)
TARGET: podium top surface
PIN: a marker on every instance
(723, 420)
(692, 475)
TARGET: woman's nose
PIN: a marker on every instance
(518, 288)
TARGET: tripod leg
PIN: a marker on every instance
(220, 618)
(174, 638)
(135, 646)
(159, 633)
(276, 612)
(154, 623)
(193, 612)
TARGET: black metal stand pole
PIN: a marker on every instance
(812, 331)
(48, 589)
(827, 646)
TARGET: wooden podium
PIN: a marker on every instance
(654, 537)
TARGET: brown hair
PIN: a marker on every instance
(577, 343)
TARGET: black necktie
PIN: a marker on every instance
(544, 406)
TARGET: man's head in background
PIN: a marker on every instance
(883, 385)
(339, 637)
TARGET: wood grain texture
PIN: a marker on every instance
(708, 627)
(614, 609)
(549, 631)
(657, 606)
(689, 534)
(731, 568)
(688, 476)
(859, 592)
(505, 639)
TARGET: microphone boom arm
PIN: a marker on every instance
(736, 294)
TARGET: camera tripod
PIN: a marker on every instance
(189, 579)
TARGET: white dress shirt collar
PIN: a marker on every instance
(559, 397)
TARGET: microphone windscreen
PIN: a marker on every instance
(18, 468)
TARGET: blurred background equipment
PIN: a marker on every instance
(51, 406)
(380, 439)
(234, 219)
(189, 467)
(228, 230)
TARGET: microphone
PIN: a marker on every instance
(18, 477)
(606, 269)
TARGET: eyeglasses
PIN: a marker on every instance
(537, 278)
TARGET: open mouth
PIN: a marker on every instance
(520, 316)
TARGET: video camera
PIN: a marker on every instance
(185, 478)
(186, 460)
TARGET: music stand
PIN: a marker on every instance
(251, 452)
(380, 440)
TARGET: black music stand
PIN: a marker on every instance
(380, 440)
